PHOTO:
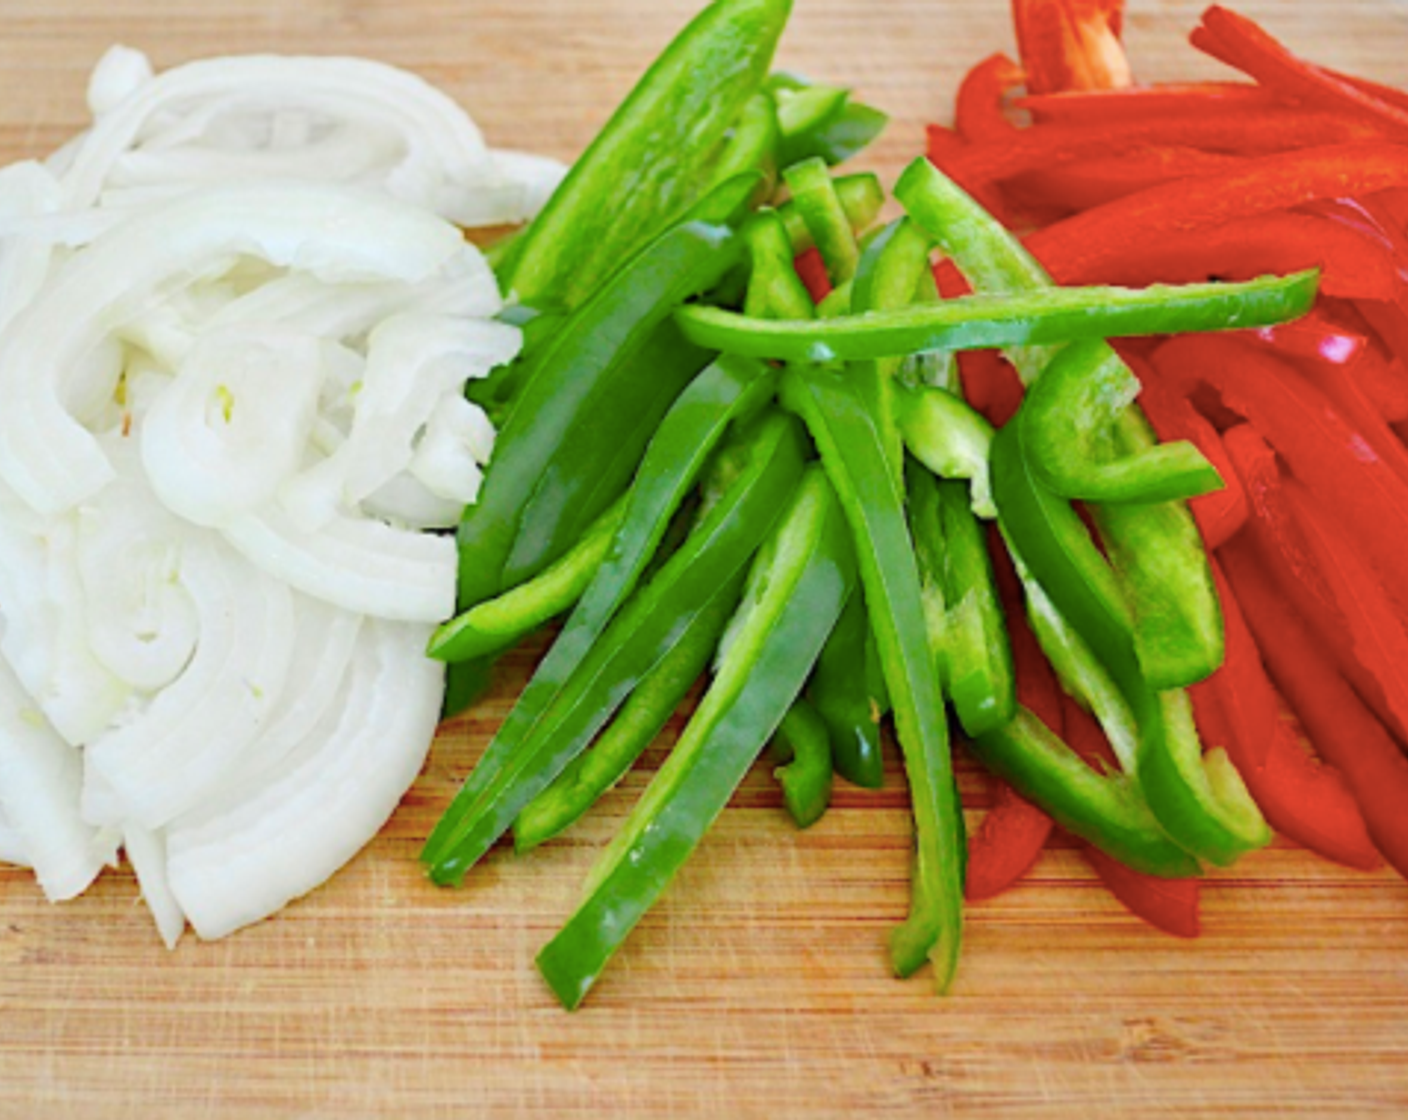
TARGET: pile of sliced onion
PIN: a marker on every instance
(237, 315)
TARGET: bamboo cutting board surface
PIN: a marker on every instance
(759, 986)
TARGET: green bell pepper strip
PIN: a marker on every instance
(967, 627)
(796, 590)
(641, 718)
(861, 197)
(628, 184)
(1070, 416)
(817, 201)
(752, 146)
(978, 321)
(853, 453)
(821, 123)
(497, 623)
(847, 690)
(1202, 810)
(1105, 809)
(598, 389)
(774, 288)
(522, 761)
(1178, 633)
(949, 437)
(805, 775)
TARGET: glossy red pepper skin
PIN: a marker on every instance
(1261, 185)
(1239, 42)
(812, 269)
(1303, 800)
(1344, 731)
(1006, 844)
(978, 110)
(1080, 184)
(1144, 102)
(1071, 44)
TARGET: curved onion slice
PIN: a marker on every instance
(355, 563)
(257, 852)
(233, 424)
(40, 776)
(45, 454)
(175, 753)
(146, 851)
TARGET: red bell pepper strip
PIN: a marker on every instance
(812, 269)
(1143, 102)
(1007, 843)
(1315, 337)
(1348, 386)
(1285, 556)
(1303, 800)
(1081, 184)
(1319, 445)
(1353, 265)
(1241, 43)
(978, 114)
(990, 385)
(1071, 44)
(1342, 728)
(1250, 132)
(1260, 185)
(1221, 513)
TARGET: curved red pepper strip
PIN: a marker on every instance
(1284, 554)
(1007, 843)
(1167, 904)
(1249, 132)
(978, 113)
(1241, 43)
(1349, 387)
(1170, 905)
(1071, 44)
(1101, 106)
(1221, 513)
(1260, 185)
(1302, 799)
(1321, 448)
(1353, 263)
(1343, 730)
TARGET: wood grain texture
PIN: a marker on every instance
(759, 986)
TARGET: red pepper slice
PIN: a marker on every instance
(1250, 132)
(1007, 843)
(1353, 263)
(1343, 730)
(978, 112)
(1242, 43)
(1221, 513)
(1303, 800)
(1081, 184)
(1143, 102)
(1071, 44)
(1319, 445)
(812, 269)
(1260, 185)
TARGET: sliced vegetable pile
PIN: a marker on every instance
(764, 436)
(236, 319)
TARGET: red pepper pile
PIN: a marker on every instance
(1293, 166)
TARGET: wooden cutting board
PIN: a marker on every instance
(759, 986)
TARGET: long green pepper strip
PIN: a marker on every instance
(796, 590)
(693, 93)
(847, 690)
(853, 454)
(980, 321)
(802, 737)
(641, 718)
(517, 767)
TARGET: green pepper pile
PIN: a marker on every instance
(704, 470)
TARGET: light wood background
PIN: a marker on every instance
(759, 986)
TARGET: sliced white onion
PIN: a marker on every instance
(40, 778)
(458, 441)
(331, 796)
(146, 851)
(354, 563)
(45, 454)
(234, 422)
(169, 756)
